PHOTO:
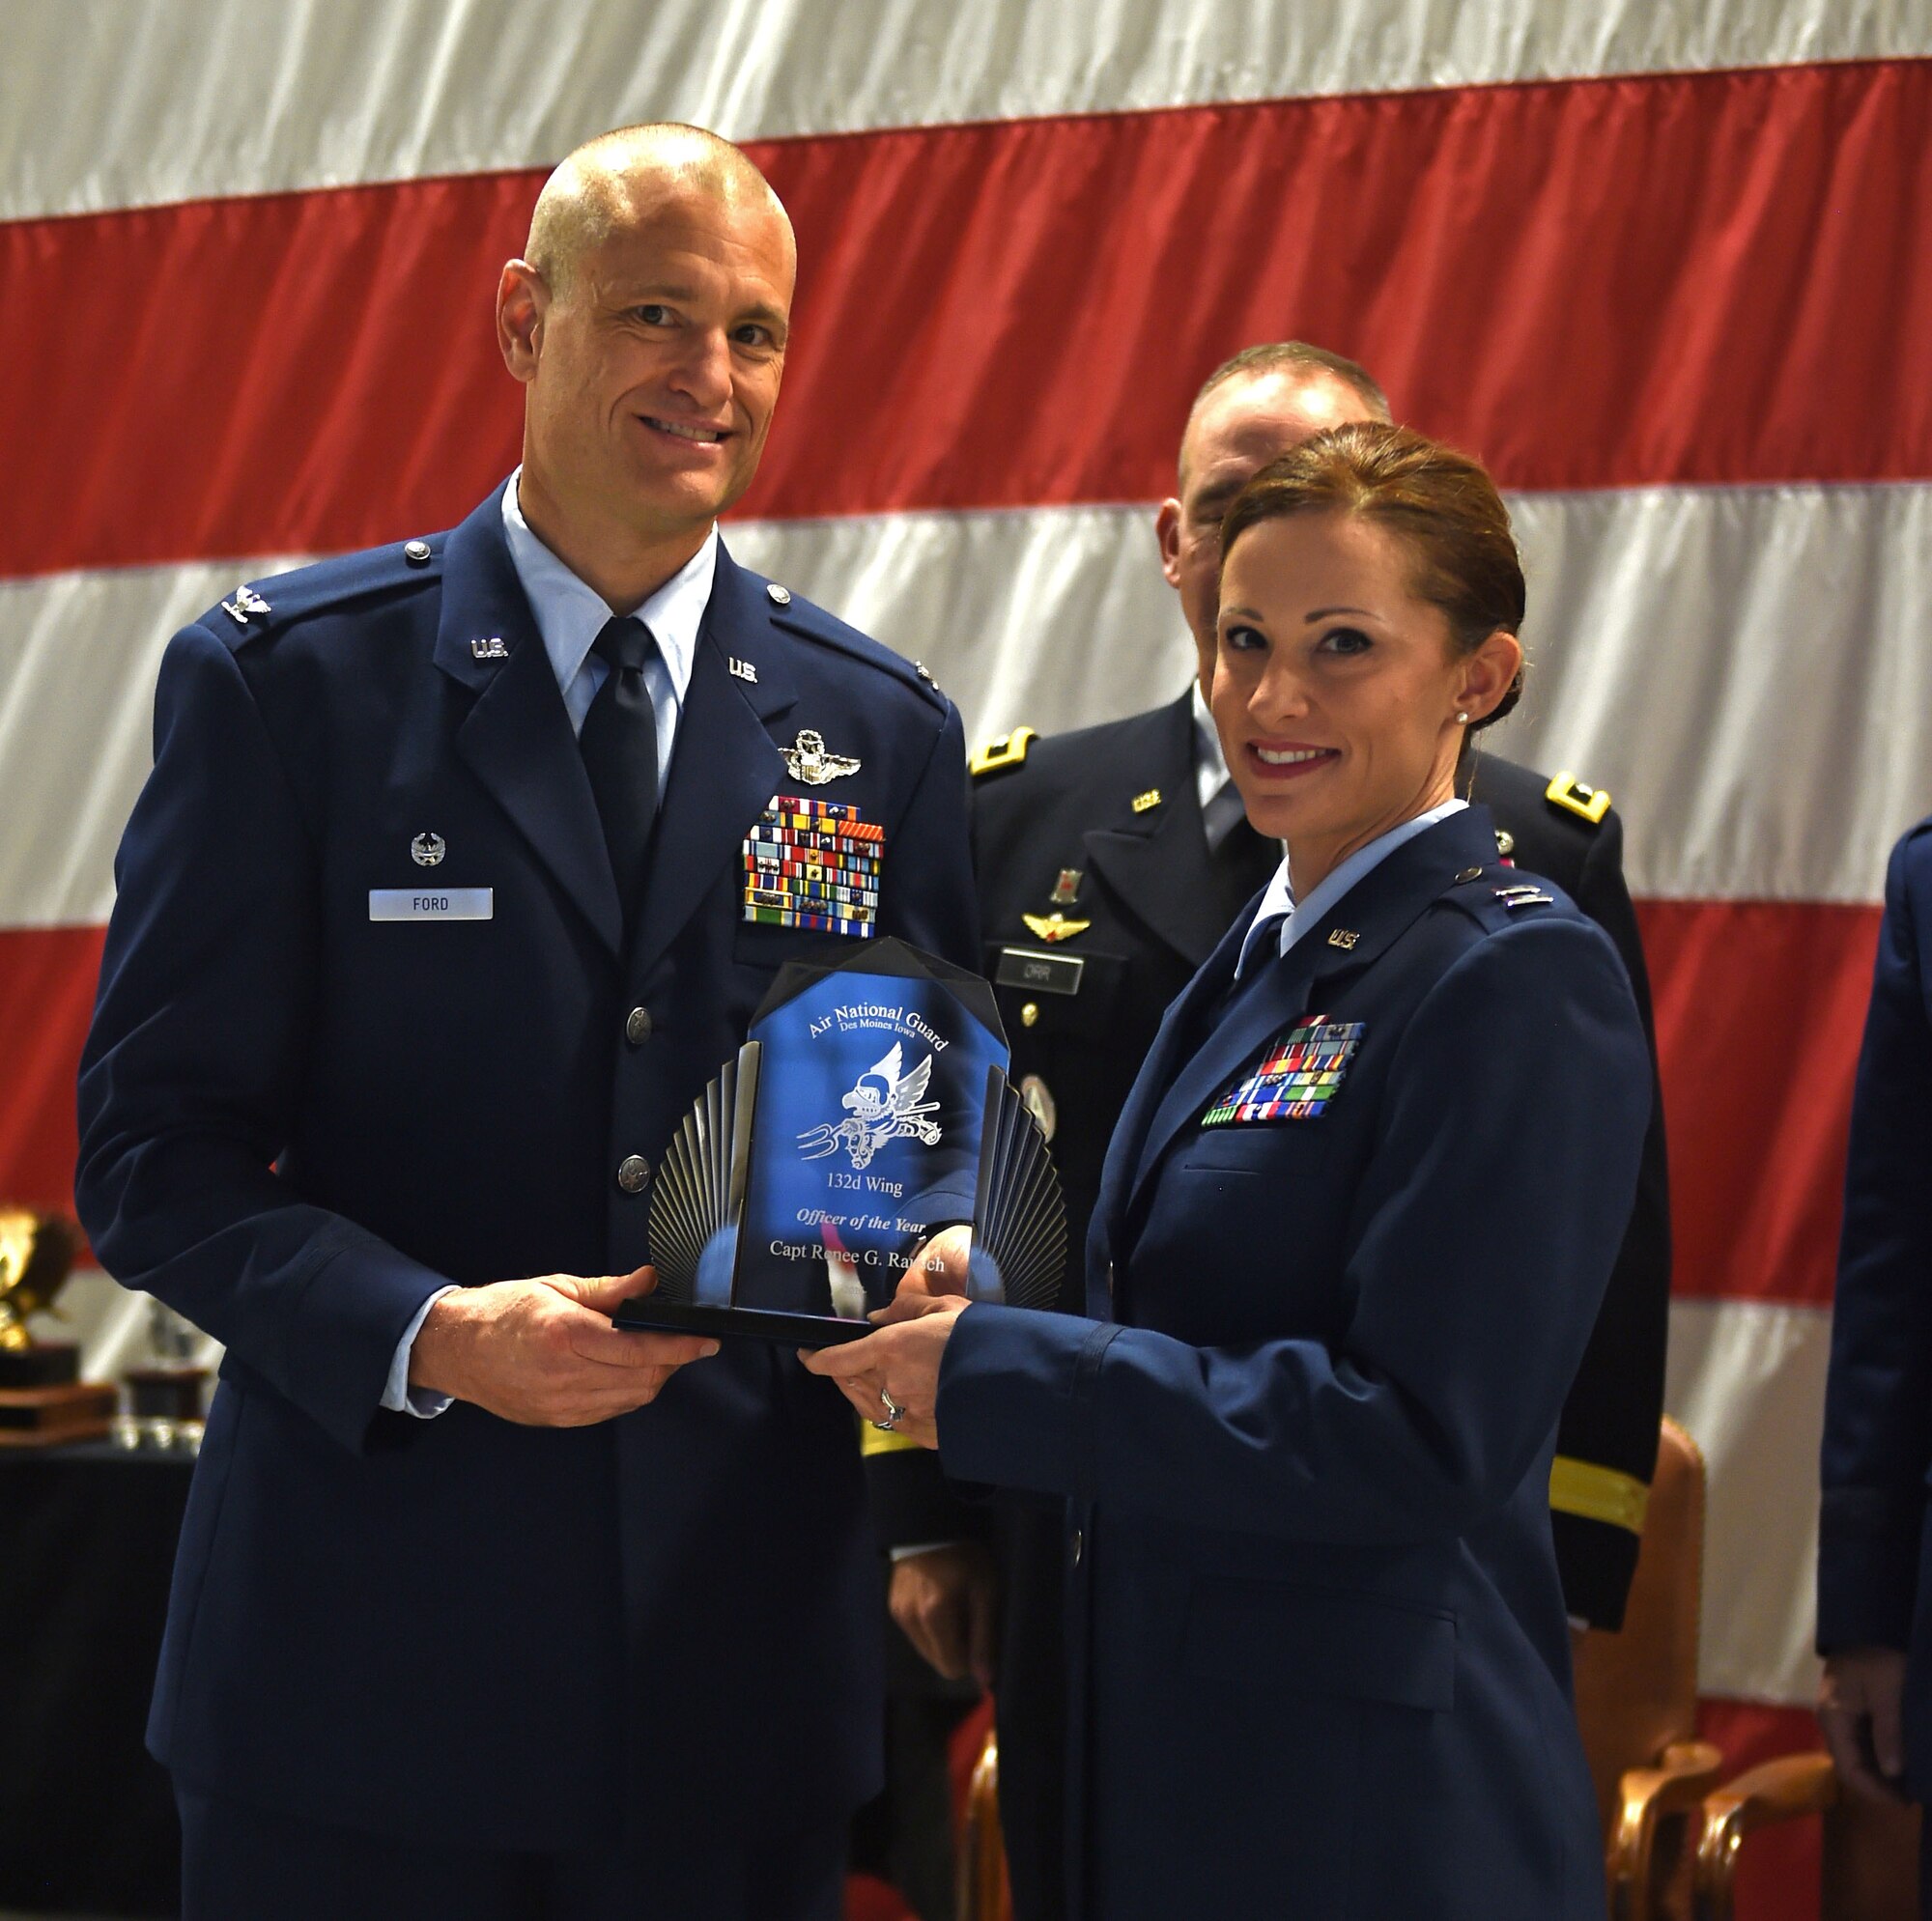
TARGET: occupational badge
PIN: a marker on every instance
(1297, 1075)
(813, 863)
(1054, 927)
(427, 849)
(807, 760)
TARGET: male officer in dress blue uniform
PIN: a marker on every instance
(434, 918)
(1874, 1597)
(1109, 863)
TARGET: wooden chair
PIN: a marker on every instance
(983, 1894)
(1869, 1871)
(1636, 1701)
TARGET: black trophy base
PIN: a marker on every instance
(650, 1317)
(57, 1365)
(167, 1393)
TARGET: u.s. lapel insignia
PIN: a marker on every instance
(1297, 1075)
(1067, 888)
(489, 647)
(247, 601)
(1054, 926)
(816, 865)
(807, 760)
(427, 849)
(1141, 802)
(1344, 936)
(743, 670)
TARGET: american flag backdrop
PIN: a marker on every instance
(1664, 265)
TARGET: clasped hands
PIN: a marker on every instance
(900, 1361)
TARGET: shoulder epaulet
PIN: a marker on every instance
(1008, 751)
(805, 618)
(256, 607)
(1578, 796)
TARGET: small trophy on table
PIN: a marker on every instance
(42, 1398)
(166, 1401)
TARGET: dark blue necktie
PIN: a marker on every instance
(620, 752)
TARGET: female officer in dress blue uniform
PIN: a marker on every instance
(1321, 1659)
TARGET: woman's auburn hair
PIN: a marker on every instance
(1440, 504)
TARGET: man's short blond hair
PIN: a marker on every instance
(600, 183)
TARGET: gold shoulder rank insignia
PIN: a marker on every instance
(1566, 791)
(1143, 801)
(1008, 751)
(1052, 927)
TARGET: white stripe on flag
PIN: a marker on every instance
(1723, 660)
(105, 103)
(1746, 1379)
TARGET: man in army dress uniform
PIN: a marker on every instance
(1109, 861)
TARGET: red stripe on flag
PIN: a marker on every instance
(1758, 1066)
(1760, 1006)
(1690, 278)
(46, 1000)
(1779, 1869)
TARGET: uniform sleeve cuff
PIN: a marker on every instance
(1013, 1399)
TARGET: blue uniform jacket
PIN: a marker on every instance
(1874, 1588)
(1317, 1635)
(297, 1120)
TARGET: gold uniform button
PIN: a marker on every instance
(1029, 1014)
(634, 1174)
(638, 1026)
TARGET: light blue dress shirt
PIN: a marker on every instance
(1279, 903)
(570, 614)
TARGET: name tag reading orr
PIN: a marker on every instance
(432, 904)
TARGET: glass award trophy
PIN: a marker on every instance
(868, 1109)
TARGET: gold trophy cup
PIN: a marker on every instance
(42, 1398)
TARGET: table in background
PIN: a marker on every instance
(87, 1545)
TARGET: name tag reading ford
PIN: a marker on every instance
(1042, 974)
(431, 903)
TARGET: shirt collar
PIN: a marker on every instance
(1364, 860)
(570, 613)
(1210, 764)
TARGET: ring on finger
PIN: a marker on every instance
(895, 1413)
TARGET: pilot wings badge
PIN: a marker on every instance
(807, 760)
(886, 1105)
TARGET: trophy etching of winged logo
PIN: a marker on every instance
(885, 1106)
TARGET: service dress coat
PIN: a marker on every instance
(1098, 900)
(1319, 1653)
(307, 1103)
(1874, 1541)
